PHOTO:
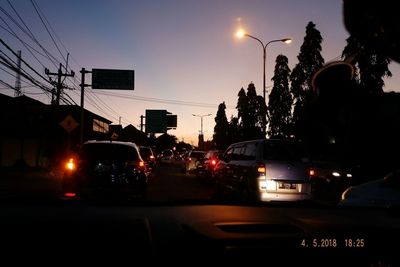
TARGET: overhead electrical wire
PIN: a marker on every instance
(28, 32)
(160, 100)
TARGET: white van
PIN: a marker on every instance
(266, 170)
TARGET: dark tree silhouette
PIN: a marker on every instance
(234, 134)
(372, 66)
(280, 100)
(221, 128)
(251, 113)
(166, 141)
(310, 61)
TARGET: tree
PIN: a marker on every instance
(166, 141)
(372, 66)
(280, 100)
(233, 133)
(251, 113)
(221, 133)
(310, 61)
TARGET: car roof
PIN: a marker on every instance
(131, 144)
(285, 141)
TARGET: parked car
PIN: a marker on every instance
(207, 165)
(103, 169)
(192, 161)
(381, 193)
(266, 170)
(148, 156)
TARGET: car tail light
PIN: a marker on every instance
(261, 169)
(312, 173)
(151, 157)
(70, 165)
(213, 162)
(141, 164)
(69, 194)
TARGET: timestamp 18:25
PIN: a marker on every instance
(333, 243)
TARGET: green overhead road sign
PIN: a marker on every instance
(113, 79)
(159, 121)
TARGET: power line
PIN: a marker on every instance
(44, 24)
(24, 44)
(56, 35)
(49, 56)
(159, 100)
(23, 61)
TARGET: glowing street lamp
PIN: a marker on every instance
(241, 34)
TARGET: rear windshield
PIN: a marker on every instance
(284, 151)
(108, 152)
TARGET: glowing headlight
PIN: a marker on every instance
(336, 174)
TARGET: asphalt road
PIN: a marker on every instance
(166, 184)
(169, 183)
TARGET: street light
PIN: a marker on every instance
(201, 116)
(240, 34)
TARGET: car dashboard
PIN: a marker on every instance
(92, 233)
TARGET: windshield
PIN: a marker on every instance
(185, 87)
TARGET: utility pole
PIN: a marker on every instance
(59, 87)
(18, 77)
(141, 122)
(83, 85)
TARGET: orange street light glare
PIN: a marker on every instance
(240, 33)
(287, 40)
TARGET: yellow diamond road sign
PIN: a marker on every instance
(114, 136)
(69, 123)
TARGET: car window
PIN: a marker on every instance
(278, 151)
(238, 152)
(250, 151)
(228, 154)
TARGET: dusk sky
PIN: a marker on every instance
(185, 55)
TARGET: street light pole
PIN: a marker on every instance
(241, 34)
(201, 117)
(285, 40)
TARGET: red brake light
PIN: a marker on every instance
(141, 163)
(311, 172)
(70, 194)
(213, 162)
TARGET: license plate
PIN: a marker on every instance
(287, 186)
